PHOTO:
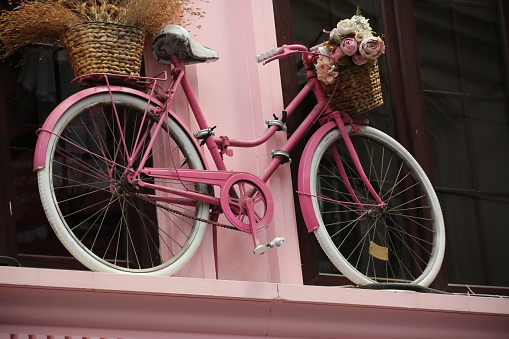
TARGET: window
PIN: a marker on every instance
(32, 83)
(466, 97)
(446, 92)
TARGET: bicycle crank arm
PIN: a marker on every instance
(259, 249)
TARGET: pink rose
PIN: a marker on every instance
(359, 59)
(349, 46)
(337, 53)
(371, 48)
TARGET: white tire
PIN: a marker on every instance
(106, 221)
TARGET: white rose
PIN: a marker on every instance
(346, 27)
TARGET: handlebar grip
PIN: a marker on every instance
(264, 56)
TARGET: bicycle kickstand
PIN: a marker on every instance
(259, 248)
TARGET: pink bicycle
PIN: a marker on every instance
(124, 185)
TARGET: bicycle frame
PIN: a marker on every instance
(217, 146)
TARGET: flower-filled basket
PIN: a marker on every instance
(347, 66)
(104, 47)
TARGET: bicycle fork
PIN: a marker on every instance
(358, 166)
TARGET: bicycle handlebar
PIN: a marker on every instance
(280, 52)
(264, 56)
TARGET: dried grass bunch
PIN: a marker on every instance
(46, 20)
(32, 22)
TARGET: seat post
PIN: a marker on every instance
(176, 62)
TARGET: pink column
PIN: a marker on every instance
(237, 95)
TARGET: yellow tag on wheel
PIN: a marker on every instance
(378, 251)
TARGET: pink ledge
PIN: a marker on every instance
(40, 303)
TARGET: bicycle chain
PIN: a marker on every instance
(174, 211)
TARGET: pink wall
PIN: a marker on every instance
(237, 95)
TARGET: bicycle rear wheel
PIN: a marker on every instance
(108, 222)
(401, 243)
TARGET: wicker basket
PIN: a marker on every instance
(358, 90)
(104, 47)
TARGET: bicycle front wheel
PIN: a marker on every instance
(402, 242)
(103, 217)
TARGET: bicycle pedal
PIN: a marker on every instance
(277, 242)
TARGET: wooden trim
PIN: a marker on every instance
(503, 12)
(284, 35)
(404, 80)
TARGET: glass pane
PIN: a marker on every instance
(463, 251)
(481, 55)
(459, 47)
(476, 249)
(476, 239)
(449, 141)
(490, 139)
(496, 237)
(437, 46)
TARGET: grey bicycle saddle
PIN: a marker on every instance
(175, 40)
